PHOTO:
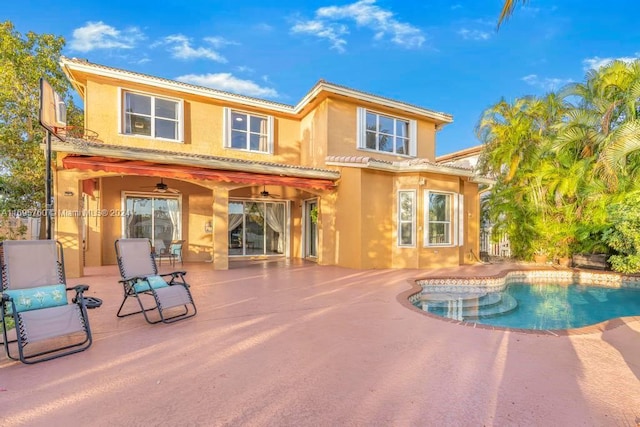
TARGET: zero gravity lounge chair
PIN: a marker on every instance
(167, 293)
(34, 294)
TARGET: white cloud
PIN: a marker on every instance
(229, 83)
(545, 83)
(98, 35)
(331, 32)
(245, 69)
(218, 42)
(365, 14)
(597, 62)
(180, 47)
(456, 6)
(264, 27)
(468, 34)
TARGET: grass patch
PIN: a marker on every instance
(9, 322)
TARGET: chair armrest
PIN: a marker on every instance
(6, 298)
(131, 279)
(79, 288)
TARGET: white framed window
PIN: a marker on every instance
(386, 133)
(248, 131)
(406, 217)
(440, 208)
(157, 218)
(152, 116)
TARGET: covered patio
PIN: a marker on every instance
(278, 343)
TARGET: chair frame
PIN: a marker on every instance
(52, 353)
(130, 291)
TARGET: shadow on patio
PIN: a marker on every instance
(277, 343)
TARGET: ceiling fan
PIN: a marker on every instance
(264, 193)
(161, 187)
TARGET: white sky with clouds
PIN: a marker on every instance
(442, 55)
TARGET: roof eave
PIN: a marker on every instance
(181, 159)
(72, 65)
(400, 168)
(439, 118)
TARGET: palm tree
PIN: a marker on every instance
(507, 9)
(604, 125)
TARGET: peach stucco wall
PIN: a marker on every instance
(365, 232)
(357, 221)
(203, 124)
(342, 131)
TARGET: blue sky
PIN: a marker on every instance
(442, 55)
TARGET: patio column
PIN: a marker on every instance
(328, 234)
(67, 209)
(220, 222)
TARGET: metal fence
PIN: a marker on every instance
(494, 247)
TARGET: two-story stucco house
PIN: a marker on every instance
(342, 178)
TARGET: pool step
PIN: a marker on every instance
(469, 306)
(507, 304)
(462, 300)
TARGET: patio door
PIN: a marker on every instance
(154, 218)
(257, 228)
(311, 228)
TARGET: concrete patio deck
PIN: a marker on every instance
(302, 344)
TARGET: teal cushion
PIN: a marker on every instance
(37, 298)
(155, 282)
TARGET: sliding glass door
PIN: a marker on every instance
(257, 228)
(154, 218)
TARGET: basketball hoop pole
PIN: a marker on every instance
(47, 188)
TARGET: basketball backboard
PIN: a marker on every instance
(53, 111)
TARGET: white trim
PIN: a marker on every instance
(270, 135)
(413, 138)
(227, 130)
(68, 65)
(153, 117)
(287, 226)
(361, 132)
(361, 114)
(453, 219)
(461, 219)
(120, 109)
(151, 194)
(226, 118)
(413, 219)
(403, 166)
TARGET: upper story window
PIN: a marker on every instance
(248, 131)
(385, 133)
(151, 116)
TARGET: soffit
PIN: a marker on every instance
(183, 172)
(95, 149)
(74, 68)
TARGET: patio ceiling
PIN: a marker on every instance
(144, 168)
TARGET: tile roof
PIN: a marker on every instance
(321, 85)
(85, 147)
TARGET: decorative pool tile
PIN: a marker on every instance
(494, 284)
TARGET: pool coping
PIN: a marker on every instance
(501, 280)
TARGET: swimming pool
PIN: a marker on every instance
(544, 306)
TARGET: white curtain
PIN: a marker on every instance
(174, 214)
(234, 221)
(275, 219)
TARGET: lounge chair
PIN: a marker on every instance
(173, 253)
(167, 293)
(34, 294)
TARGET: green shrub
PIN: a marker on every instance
(623, 236)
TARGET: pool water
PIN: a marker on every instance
(537, 306)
